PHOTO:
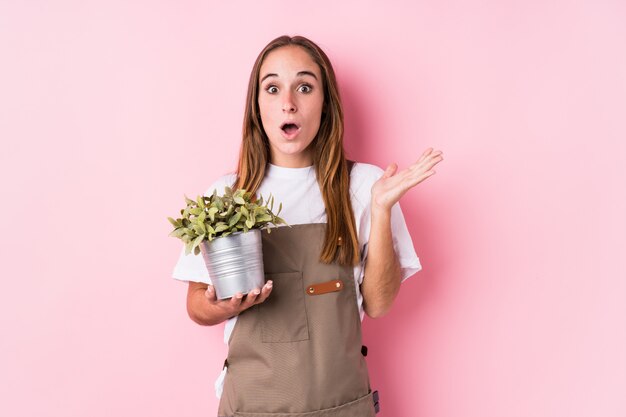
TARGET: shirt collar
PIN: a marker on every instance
(276, 171)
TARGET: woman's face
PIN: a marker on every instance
(291, 97)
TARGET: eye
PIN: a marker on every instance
(305, 88)
(272, 89)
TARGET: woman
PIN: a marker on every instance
(295, 344)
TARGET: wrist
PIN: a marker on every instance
(378, 212)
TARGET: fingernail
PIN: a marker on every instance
(256, 292)
(269, 284)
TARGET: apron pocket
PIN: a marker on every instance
(361, 407)
(283, 315)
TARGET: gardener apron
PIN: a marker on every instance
(299, 353)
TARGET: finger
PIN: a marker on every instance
(436, 155)
(424, 155)
(235, 301)
(419, 167)
(265, 292)
(428, 164)
(251, 298)
(210, 294)
(391, 169)
(421, 178)
(427, 157)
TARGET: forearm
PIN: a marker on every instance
(200, 310)
(381, 281)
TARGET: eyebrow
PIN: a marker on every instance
(298, 74)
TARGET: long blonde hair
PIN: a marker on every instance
(331, 166)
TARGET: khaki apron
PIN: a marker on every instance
(299, 353)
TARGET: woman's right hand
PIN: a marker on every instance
(204, 308)
(238, 303)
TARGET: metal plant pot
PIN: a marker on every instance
(235, 263)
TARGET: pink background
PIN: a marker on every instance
(111, 111)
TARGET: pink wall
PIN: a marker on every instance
(110, 111)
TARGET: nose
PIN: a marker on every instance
(288, 105)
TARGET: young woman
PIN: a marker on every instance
(295, 344)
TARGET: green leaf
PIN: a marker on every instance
(219, 203)
(188, 248)
(212, 212)
(202, 228)
(234, 219)
(179, 232)
(249, 223)
(228, 212)
(220, 227)
(175, 223)
(197, 241)
(190, 232)
(263, 218)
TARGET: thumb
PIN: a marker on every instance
(391, 169)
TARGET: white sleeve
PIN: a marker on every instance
(192, 267)
(402, 244)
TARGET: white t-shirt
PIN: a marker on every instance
(297, 189)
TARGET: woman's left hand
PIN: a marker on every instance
(388, 190)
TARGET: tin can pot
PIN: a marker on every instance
(235, 263)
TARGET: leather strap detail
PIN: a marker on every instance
(325, 287)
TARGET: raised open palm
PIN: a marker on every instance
(391, 186)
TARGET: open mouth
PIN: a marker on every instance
(290, 128)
